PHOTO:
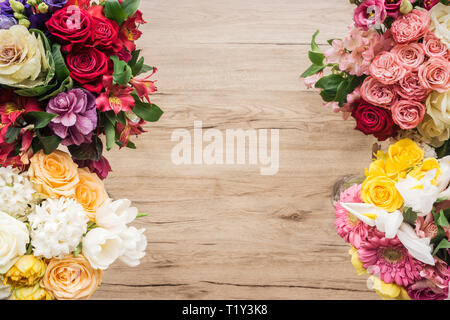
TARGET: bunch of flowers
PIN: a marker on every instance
(59, 230)
(392, 72)
(397, 223)
(69, 74)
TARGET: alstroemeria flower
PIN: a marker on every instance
(392, 225)
(116, 97)
(132, 128)
(144, 87)
(129, 32)
(13, 106)
(420, 195)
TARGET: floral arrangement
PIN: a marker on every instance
(397, 223)
(60, 230)
(391, 73)
(69, 76)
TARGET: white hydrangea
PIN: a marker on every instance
(16, 193)
(57, 227)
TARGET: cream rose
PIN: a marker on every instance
(440, 22)
(54, 175)
(14, 237)
(71, 278)
(22, 57)
(438, 107)
(434, 133)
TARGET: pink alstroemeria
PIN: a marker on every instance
(130, 129)
(116, 97)
(144, 87)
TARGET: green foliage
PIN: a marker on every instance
(409, 216)
(122, 71)
(39, 119)
(12, 134)
(146, 111)
(114, 11)
(317, 58)
(137, 64)
(88, 151)
(46, 143)
(130, 6)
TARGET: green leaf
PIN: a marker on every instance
(78, 250)
(141, 215)
(122, 71)
(131, 145)
(122, 118)
(314, 46)
(444, 244)
(62, 73)
(12, 134)
(39, 119)
(49, 143)
(130, 6)
(442, 220)
(67, 84)
(114, 11)
(409, 215)
(330, 85)
(312, 70)
(87, 151)
(143, 110)
(110, 132)
(316, 58)
(134, 58)
(444, 150)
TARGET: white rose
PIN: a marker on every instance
(438, 107)
(102, 247)
(433, 133)
(22, 57)
(14, 238)
(115, 215)
(134, 243)
(440, 22)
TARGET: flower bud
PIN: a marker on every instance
(30, 293)
(32, 2)
(24, 22)
(19, 16)
(16, 6)
(43, 8)
(406, 7)
(25, 272)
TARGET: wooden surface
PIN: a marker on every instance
(226, 232)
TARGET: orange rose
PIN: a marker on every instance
(71, 278)
(54, 175)
(90, 192)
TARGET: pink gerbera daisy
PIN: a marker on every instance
(389, 259)
(350, 228)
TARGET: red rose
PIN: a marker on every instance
(70, 26)
(104, 31)
(374, 120)
(87, 66)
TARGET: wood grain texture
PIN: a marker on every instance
(226, 232)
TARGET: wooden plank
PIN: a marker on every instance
(222, 231)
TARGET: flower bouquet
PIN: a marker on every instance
(68, 80)
(59, 230)
(391, 73)
(397, 223)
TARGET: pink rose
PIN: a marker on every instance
(434, 47)
(410, 88)
(411, 27)
(369, 14)
(378, 94)
(435, 74)
(411, 55)
(386, 68)
(407, 114)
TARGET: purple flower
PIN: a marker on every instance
(5, 8)
(100, 167)
(77, 116)
(55, 5)
(37, 21)
(6, 22)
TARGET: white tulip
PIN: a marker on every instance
(102, 247)
(14, 238)
(134, 243)
(419, 248)
(115, 215)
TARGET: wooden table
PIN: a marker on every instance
(227, 232)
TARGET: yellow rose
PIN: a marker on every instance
(357, 264)
(22, 58)
(440, 22)
(438, 107)
(427, 165)
(376, 168)
(30, 293)
(402, 155)
(71, 278)
(434, 133)
(54, 175)
(388, 291)
(381, 192)
(90, 192)
(25, 272)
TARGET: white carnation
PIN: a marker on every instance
(57, 227)
(16, 193)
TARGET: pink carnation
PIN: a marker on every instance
(387, 69)
(410, 88)
(411, 27)
(350, 228)
(378, 94)
(407, 114)
(389, 259)
(411, 55)
(434, 47)
(435, 74)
